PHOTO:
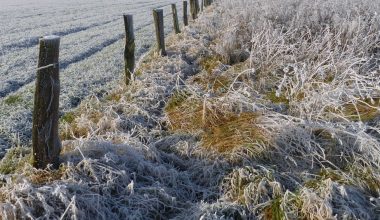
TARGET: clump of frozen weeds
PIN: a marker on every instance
(258, 112)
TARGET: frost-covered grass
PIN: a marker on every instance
(90, 54)
(262, 110)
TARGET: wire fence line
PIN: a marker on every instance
(51, 90)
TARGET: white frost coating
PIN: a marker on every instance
(318, 163)
(51, 37)
(91, 50)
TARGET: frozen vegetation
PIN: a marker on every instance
(264, 109)
(90, 54)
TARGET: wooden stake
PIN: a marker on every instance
(193, 9)
(129, 51)
(46, 145)
(185, 16)
(197, 8)
(175, 19)
(158, 15)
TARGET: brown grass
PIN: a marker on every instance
(76, 129)
(364, 110)
(210, 63)
(185, 117)
(42, 177)
(360, 110)
(220, 129)
(217, 83)
(234, 131)
(3, 197)
(114, 96)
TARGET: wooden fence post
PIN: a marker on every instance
(158, 15)
(175, 19)
(197, 8)
(193, 9)
(129, 51)
(185, 17)
(46, 145)
(202, 4)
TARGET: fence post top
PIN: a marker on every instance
(128, 15)
(158, 10)
(50, 38)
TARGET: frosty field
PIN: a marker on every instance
(263, 109)
(90, 54)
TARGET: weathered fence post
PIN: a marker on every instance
(185, 17)
(193, 9)
(175, 19)
(202, 4)
(158, 15)
(46, 145)
(197, 8)
(129, 51)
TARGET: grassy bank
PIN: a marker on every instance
(262, 109)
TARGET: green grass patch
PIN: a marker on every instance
(68, 117)
(366, 177)
(274, 211)
(113, 97)
(363, 110)
(276, 99)
(13, 99)
(327, 173)
(15, 159)
(210, 63)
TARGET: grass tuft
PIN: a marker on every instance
(277, 99)
(220, 130)
(210, 63)
(79, 126)
(363, 110)
(176, 99)
(274, 211)
(68, 117)
(233, 131)
(41, 177)
(15, 159)
(214, 82)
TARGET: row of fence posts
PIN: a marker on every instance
(46, 144)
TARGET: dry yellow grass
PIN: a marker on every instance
(363, 110)
(42, 177)
(210, 63)
(234, 131)
(76, 128)
(3, 197)
(217, 83)
(220, 129)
